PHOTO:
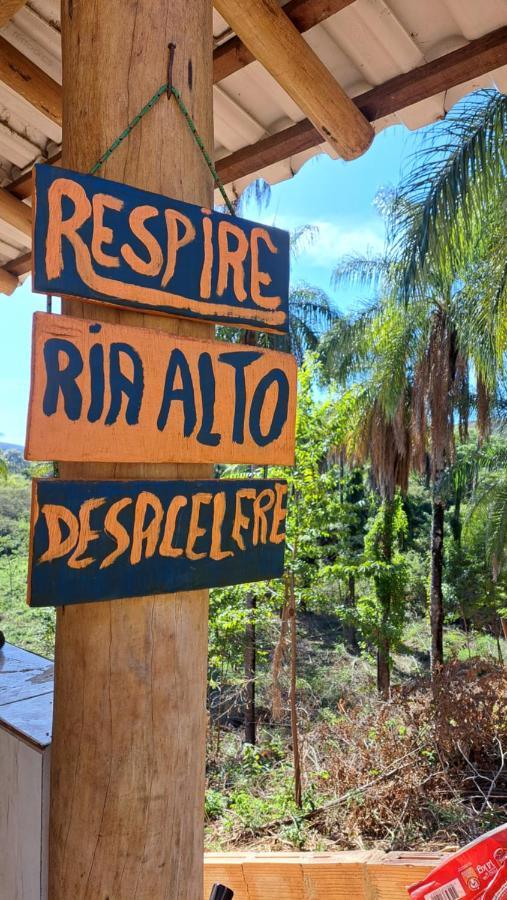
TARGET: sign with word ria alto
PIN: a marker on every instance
(113, 393)
(104, 241)
(103, 540)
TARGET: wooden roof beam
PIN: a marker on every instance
(233, 55)
(45, 94)
(8, 282)
(15, 213)
(26, 79)
(270, 35)
(9, 9)
(477, 58)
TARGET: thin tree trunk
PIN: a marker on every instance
(250, 668)
(384, 595)
(350, 630)
(276, 702)
(436, 597)
(293, 707)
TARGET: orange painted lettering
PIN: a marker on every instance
(279, 515)
(241, 522)
(115, 529)
(137, 220)
(194, 530)
(216, 551)
(166, 544)
(257, 278)
(59, 228)
(143, 531)
(102, 235)
(86, 534)
(174, 241)
(233, 258)
(262, 504)
(57, 545)
(207, 265)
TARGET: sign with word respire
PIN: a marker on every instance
(104, 540)
(114, 393)
(112, 243)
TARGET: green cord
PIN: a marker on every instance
(164, 89)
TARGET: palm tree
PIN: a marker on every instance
(376, 413)
(444, 234)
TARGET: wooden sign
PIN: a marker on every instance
(103, 540)
(109, 242)
(112, 393)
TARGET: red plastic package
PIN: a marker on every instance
(479, 871)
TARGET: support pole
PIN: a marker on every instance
(127, 781)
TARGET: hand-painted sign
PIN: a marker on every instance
(100, 240)
(102, 540)
(112, 393)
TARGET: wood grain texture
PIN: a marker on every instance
(9, 9)
(475, 59)
(8, 282)
(362, 875)
(115, 393)
(233, 55)
(130, 686)
(270, 35)
(21, 75)
(21, 780)
(112, 243)
(15, 213)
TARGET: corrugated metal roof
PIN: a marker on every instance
(363, 45)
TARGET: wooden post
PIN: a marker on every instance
(128, 748)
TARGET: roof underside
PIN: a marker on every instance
(259, 130)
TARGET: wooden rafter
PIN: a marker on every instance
(45, 94)
(25, 78)
(8, 9)
(475, 59)
(232, 55)
(15, 213)
(276, 43)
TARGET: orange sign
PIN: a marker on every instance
(112, 393)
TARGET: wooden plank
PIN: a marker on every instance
(9, 9)
(128, 759)
(15, 213)
(111, 392)
(270, 35)
(8, 282)
(115, 244)
(477, 58)
(317, 876)
(21, 75)
(19, 266)
(20, 818)
(104, 540)
(233, 55)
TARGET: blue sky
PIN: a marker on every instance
(335, 196)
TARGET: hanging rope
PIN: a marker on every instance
(169, 89)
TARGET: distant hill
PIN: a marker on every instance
(6, 446)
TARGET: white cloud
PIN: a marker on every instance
(333, 239)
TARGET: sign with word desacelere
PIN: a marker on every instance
(103, 540)
(114, 393)
(108, 242)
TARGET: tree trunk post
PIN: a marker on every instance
(436, 596)
(127, 779)
(250, 669)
